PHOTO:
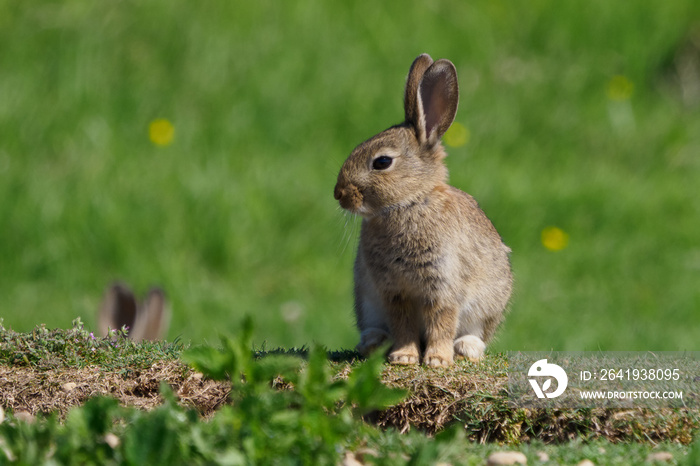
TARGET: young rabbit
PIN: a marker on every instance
(148, 321)
(431, 269)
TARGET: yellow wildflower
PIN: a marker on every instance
(554, 238)
(457, 136)
(161, 132)
(620, 88)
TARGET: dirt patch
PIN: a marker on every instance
(57, 390)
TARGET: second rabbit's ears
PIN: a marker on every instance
(118, 309)
(431, 98)
(152, 318)
(146, 321)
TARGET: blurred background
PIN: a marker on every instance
(195, 145)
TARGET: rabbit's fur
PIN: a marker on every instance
(145, 321)
(431, 269)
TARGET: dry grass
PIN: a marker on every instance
(57, 390)
(475, 395)
(469, 393)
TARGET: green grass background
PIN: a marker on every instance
(237, 216)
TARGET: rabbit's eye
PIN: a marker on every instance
(382, 162)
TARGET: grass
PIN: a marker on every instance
(46, 349)
(63, 410)
(579, 116)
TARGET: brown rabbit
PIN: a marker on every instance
(431, 268)
(148, 321)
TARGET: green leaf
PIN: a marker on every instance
(314, 380)
(285, 366)
(365, 388)
(693, 458)
(211, 362)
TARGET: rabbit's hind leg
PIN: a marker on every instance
(470, 346)
(371, 320)
(470, 339)
(371, 339)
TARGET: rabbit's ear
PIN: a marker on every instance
(410, 100)
(438, 95)
(118, 309)
(153, 317)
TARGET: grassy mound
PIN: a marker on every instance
(361, 407)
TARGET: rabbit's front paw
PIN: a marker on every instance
(470, 347)
(370, 340)
(438, 356)
(406, 355)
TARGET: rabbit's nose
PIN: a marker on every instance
(349, 196)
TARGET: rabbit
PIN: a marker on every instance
(147, 321)
(431, 270)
